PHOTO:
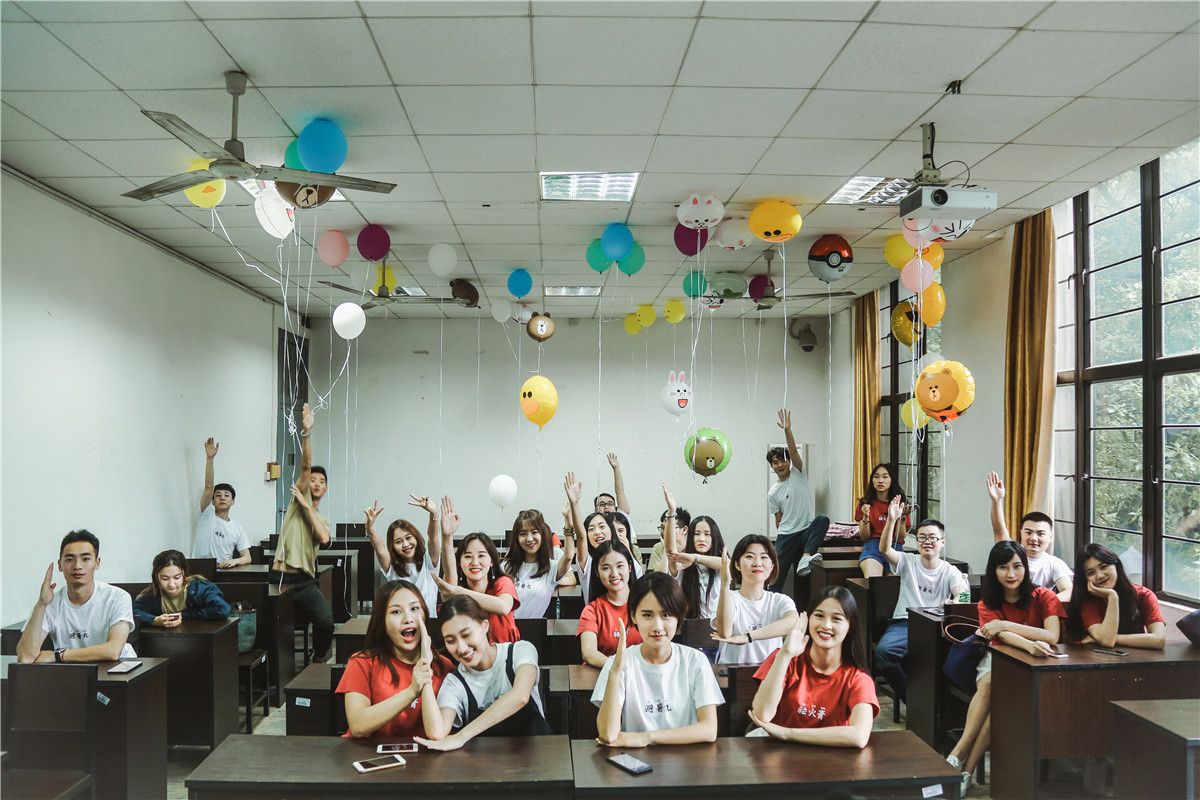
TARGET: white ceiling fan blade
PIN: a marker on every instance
(322, 179)
(201, 144)
(175, 183)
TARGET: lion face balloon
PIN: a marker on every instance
(945, 390)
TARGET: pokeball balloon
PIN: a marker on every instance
(830, 257)
(707, 452)
(304, 195)
(945, 390)
(540, 327)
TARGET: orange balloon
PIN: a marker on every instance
(934, 254)
(933, 304)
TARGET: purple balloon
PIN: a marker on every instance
(759, 286)
(689, 241)
(374, 242)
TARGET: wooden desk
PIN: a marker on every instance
(265, 767)
(1158, 754)
(251, 573)
(567, 603)
(369, 576)
(1056, 708)
(876, 598)
(348, 638)
(581, 680)
(932, 710)
(202, 679)
(894, 764)
(276, 611)
(562, 642)
(130, 747)
(344, 585)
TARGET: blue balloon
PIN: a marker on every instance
(519, 282)
(322, 146)
(616, 241)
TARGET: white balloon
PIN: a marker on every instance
(502, 490)
(734, 234)
(524, 315)
(950, 229)
(698, 212)
(502, 310)
(443, 258)
(928, 359)
(276, 216)
(349, 320)
(676, 397)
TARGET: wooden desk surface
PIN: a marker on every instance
(1083, 657)
(562, 627)
(569, 591)
(757, 767)
(254, 571)
(1179, 718)
(148, 665)
(353, 627)
(190, 627)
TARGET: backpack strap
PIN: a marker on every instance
(508, 664)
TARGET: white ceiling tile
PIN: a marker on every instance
(210, 111)
(461, 51)
(728, 154)
(903, 159)
(469, 109)
(614, 8)
(374, 154)
(465, 213)
(1106, 15)
(1033, 162)
(15, 127)
(651, 215)
(761, 53)
(500, 234)
(730, 112)
(572, 252)
(148, 216)
(151, 158)
(861, 115)
(609, 51)
(96, 192)
(86, 115)
(10, 12)
(571, 234)
(53, 159)
(1101, 121)
(426, 235)
(567, 212)
(1008, 191)
(109, 11)
(675, 187)
(399, 214)
(985, 117)
(1059, 63)
(498, 153)
(1113, 163)
(170, 55)
(834, 218)
(27, 54)
(279, 52)
(248, 9)
(410, 187)
(1176, 132)
(194, 236)
(818, 156)
(959, 51)
(358, 110)
(512, 253)
(797, 189)
(627, 110)
(975, 14)
(1171, 72)
(593, 153)
(1049, 194)
(488, 187)
(853, 10)
(1000, 219)
(440, 8)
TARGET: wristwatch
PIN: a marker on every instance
(58, 655)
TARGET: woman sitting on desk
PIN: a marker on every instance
(174, 596)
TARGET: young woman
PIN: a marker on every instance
(404, 552)
(750, 621)
(391, 685)
(1014, 612)
(871, 515)
(1112, 611)
(479, 561)
(493, 691)
(817, 688)
(698, 567)
(659, 692)
(534, 564)
(601, 620)
(174, 596)
(590, 532)
(621, 528)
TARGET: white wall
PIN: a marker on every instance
(118, 361)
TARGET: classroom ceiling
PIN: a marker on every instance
(462, 103)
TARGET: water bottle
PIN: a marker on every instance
(964, 594)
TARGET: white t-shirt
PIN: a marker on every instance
(487, 685)
(794, 498)
(585, 577)
(535, 591)
(750, 615)
(1046, 571)
(657, 697)
(922, 588)
(421, 577)
(218, 538)
(75, 627)
(710, 592)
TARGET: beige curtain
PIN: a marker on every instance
(866, 387)
(1029, 371)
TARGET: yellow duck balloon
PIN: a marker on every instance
(539, 400)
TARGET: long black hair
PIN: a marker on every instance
(405, 568)
(1130, 616)
(991, 591)
(612, 530)
(515, 557)
(853, 652)
(893, 490)
(595, 585)
(377, 644)
(691, 576)
(489, 545)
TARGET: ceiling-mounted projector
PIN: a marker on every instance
(948, 203)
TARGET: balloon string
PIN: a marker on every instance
(783, 259)
(758, 354)
(441, 386)
(478, 359)
(520, 382)
(829, 391)
(599, 379)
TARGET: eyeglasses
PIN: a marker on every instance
(928, 538)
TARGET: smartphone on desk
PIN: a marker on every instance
(390, 749)
(1110, 651)
(123, 666)
(634, 766)
(376, 764)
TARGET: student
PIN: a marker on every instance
(698, 566)
(217, 536)
(404, 552)
(622, 528)
(618, 506)
(925, 580)
(87, 620)
(790, 499)
(659, 692)
(871, 515)
(483, 581)
(659, 556)
(1111, 611)
(1037, 537)
(391, 684)
(601, 620)
(494, 689)
(751, 621)
(590, 532)
(534, 564)
(174, 596)
(816, 689)
(1014, 612)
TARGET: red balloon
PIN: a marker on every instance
(760, 286)
(374, 242)
(689, 241)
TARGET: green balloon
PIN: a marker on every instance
(633, 261)
(707, 452)
(291, 156)
(694, 283)
(596, 258)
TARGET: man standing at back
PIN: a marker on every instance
(217, 536)
(800, 532)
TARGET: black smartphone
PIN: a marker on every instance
(1109, 651)
(634, 766)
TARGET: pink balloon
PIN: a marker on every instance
(917, 275)
(333, 248)
(917, 239)
(759, 285)
(374, 242)
(688, 241)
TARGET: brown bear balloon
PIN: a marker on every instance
(707, 454)
(540, 327)
(304, 196)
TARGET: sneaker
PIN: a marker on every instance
(965, 785)
(817, 558)
(953, 761)
(805, 565)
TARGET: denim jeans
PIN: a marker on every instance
(789, 547)
(890, 653)
(316, 609)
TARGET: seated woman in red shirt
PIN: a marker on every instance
(817, 689)
(871, 515)
(599, 624)
(483, 577)
(391, 685)
(1111, 610)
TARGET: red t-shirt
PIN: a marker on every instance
(1092, 609)
(879, 512)
(367, 676)
(1042, 605)
(502, 628)
(601, 617)
(813, 700)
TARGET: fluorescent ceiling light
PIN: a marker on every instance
(867, 190)
(571, 291)
(611, 186)
(413, 291)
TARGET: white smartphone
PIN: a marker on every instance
(123, 666)
(388, 749)
(376, 764)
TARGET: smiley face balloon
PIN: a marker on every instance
(775, 221)
(539, 400)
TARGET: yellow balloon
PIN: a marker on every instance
(906, 327)
(645, 315)
(674, 311)
(386, 279)
(898, 252)
(775, 221)
(945, 390)
(934, 254)
(912, 415)
(632, 326)
(933, 304)
(208, 194)
(539, 400)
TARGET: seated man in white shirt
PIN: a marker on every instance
(217, 536)
(87, 620)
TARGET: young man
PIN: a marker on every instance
(606, 503)
(302, 532)
(925, 580)
(217, 536)
(800, 532)
(1037, 537)
(658, 554)
(87, 620)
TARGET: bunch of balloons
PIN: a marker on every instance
(320, 147)
(616, 246)
(637, 321)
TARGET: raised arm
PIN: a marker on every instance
(1024, 636)
(210, 452)
(670, 546)
(501, 605)
(995, 490)
(382, 556)
(723, 622)
(433, 546)
(785, 422)
(30, 645)
(307, 420)
(437, 726)
(450, 522)
(770, 691)
(567, 557)
(895, 514)
(315, 523)
(618, 483)
(608, 719)
(574, 490)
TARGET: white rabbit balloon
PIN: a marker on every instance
(677, 395)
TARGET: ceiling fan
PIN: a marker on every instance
(229, 162)
(385, 292)
(769, 300)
